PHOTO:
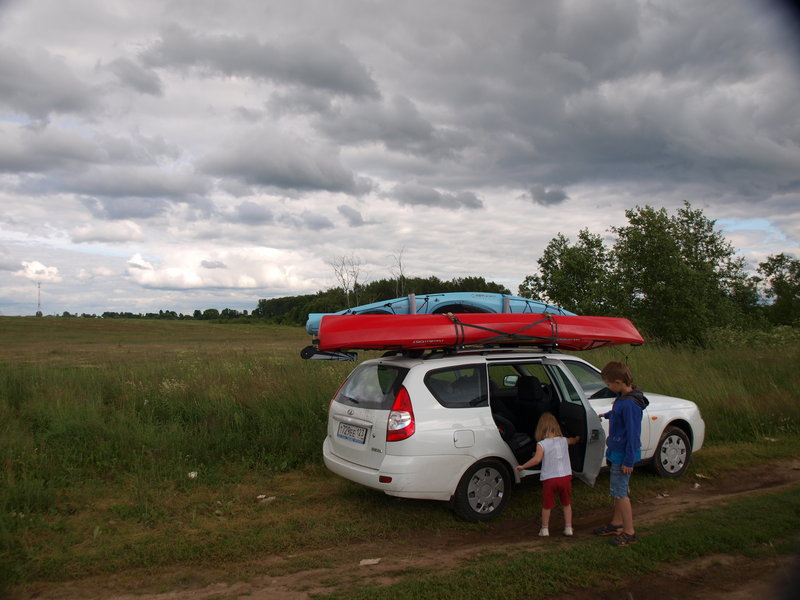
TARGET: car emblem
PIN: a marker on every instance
(351, 412)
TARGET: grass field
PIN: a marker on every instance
(144, 443)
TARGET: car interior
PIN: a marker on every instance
(518, 398)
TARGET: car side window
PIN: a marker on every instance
(572, 395)
(459, 387)
(589, 379)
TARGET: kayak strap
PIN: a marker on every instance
(503, 336)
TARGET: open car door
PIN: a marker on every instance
(577, 417)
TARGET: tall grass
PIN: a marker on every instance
(131, 432)
(63, 425)
(745, 394)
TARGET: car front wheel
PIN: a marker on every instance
(673, 453)
(483, 491)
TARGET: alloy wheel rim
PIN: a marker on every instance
(673, 453)
(485, 491)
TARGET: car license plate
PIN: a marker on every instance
(354, 433)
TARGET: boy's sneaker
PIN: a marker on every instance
(544, 532)
(568, 531)
(609, 529)
(624, 539)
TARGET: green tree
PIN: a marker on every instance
(677, 276)
(475, 284)
(574, 277)
(733, 293)
(652, 283)
(230, 313)
(210, 313)
(781, 273)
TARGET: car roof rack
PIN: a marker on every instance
(484, 350)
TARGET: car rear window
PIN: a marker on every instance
(372, 386)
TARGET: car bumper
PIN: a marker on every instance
(420, 477)
(698, 434)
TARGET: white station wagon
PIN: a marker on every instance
(452, 425)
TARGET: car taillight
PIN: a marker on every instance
(401, 418)
(336, 395)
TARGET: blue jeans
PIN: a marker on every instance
(619, 481)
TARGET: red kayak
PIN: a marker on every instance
(407, 332)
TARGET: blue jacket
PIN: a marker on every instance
(624, 439)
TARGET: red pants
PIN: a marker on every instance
(560, 485)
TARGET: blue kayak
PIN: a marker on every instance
(448, 302)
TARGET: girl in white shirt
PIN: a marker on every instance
(556, 474)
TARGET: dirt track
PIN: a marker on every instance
(712, 577)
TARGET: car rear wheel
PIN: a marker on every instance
(673, 453)
(483, 491)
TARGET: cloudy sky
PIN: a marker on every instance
(193, 154)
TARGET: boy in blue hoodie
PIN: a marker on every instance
(624, 448)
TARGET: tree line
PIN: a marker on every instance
(209, 314)
(294, 310)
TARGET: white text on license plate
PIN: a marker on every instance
(354, 433)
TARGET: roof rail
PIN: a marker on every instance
(435, 353)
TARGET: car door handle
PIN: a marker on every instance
(595, 435)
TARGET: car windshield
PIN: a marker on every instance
(372, 386)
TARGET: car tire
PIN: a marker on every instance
(483, 491)
(672, 453)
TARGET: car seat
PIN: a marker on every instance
(521, 444)
(530, 403)
(550, 402)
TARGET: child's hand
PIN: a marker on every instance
(519, 468)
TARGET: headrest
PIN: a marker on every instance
(529, 388)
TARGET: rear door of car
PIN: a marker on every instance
(601, 398)
(577, 417)
(359, 413)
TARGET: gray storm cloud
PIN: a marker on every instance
(38, 83)
(310, 62)
(415, 194)
(548, 196)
